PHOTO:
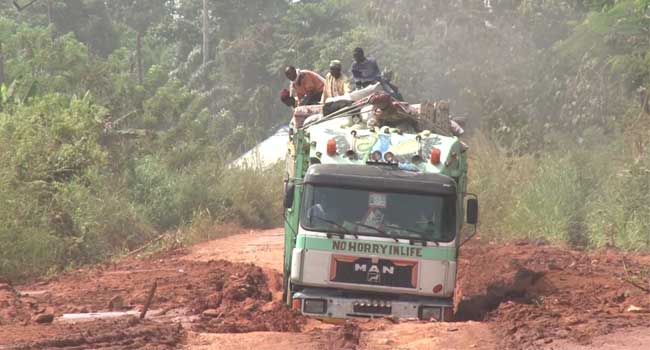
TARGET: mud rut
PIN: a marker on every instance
(224, 294)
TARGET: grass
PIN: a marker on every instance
(88, 224)
(589, 195)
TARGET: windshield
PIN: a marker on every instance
(395, 215)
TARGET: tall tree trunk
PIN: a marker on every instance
(49, 12)
(2, 66)
(138, 57)
(108, 13)
(206, 49)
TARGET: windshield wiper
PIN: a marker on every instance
(420, 233)
(337, 225)
(379, 231)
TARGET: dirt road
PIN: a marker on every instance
(224, 294)
(265, 248)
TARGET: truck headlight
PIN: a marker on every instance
(426, 313)
(375, 156)
(314, 306)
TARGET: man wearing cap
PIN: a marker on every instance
(336, 83)
(306, 86)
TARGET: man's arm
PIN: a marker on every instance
(325, 94)
(352, 70)
(326, 88)
(292, 93)
(347, 85)
(375, 68)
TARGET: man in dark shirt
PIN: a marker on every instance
(365, 70)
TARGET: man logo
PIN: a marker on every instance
(374, 273)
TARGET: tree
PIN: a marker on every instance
(206, 33)
(2, 66)
(139, 16)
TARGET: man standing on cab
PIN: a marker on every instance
(306, 86)
(365, 70)
(336, 83)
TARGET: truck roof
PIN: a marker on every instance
(375, 177)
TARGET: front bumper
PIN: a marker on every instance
(339, 305)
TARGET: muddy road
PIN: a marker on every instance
(224, 294)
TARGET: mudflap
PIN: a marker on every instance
(286, 290)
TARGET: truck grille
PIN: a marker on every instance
(374, 271)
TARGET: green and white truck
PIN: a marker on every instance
(373, 217)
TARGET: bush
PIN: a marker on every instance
(592, 194)
(254, 196)
(97, 220)
(155, 190)
(546, 205)
(28, 247)
(495, 177)
(619, 215)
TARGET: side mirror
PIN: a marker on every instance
(472, 211)
(289, 191)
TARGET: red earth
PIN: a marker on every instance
(224, 294)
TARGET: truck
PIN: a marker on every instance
(373, 217)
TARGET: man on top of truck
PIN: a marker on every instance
(336, 83)
(306, 86)
(365, 70)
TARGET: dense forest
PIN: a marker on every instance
(118, 118)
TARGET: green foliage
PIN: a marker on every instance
(34, 54)
(53, 139)
(28, 246)
(56, 208)
(619, 215)
(547, 204)
(249, 196)
(89, 20)
(254, 196)
(496, 177)
(155, 188)
(594, 196)
(97, 220)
